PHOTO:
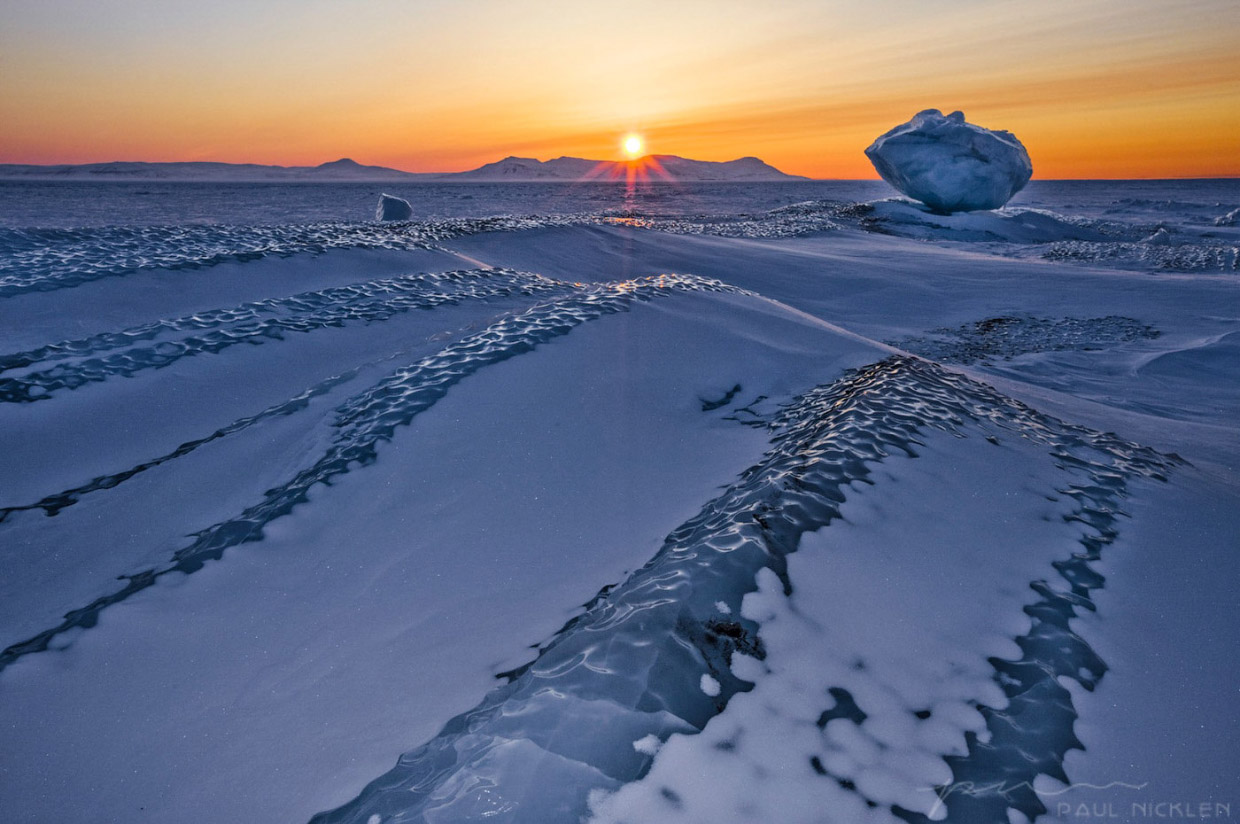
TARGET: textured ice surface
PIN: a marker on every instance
(366, 420)
(72, 364)
(889, 688)
(793, 220)
(1008, 336)
(655, 655)
(951, 165)
(41, 260)
(391, 207)
(1188, 257)
(400, 392)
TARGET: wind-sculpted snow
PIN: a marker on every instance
(1189, 256)
(54, 503)
(794, 220)
(39, 260)
(42, 260)
(659, 653)
(1008, 336)
(371, 418)
(1012, 231)
(156, 345)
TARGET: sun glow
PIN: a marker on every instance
(633, 145)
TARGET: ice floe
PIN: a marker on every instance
(949, 164)
(391, 207)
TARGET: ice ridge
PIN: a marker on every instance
(43, 260)
(635, 662)
(254, 323)
(372, 417)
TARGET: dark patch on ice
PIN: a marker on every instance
(1011, 335)
(750, 415)
(922, 715)
(711, 406)
(845, 707)
(816, 764)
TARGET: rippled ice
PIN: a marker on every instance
(1197, 233)
(665, 651)
(706, 648)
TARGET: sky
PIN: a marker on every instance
(1093, 88)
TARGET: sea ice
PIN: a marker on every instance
(951, 165)
(462, 478)
(1160, 238)
(393, 208)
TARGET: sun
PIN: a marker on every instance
(633, 145)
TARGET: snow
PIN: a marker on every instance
(732, 551)
(1232, 218)
(949, 164)
(896, 612)
(647, 744)
(393, 208)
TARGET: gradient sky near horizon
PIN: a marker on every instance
(1094, 88)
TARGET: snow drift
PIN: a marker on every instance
(951, 165)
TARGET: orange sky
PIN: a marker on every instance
(1142, 88)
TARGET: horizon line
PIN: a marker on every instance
(804, 178)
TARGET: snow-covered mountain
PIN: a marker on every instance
(343, 169)
(652, 167)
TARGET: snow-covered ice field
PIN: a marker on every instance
(781, 503)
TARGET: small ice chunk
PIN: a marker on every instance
(1232, 218)
(722, 607)
(746, 667)
(710, 686)
(374, 819)
(1160, 238)
(647, 745)
(393, 208)
(951, 165)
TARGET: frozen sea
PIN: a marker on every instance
(578, 502)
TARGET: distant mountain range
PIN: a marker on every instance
(652, 167)
(343, 169)
(511, 169)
